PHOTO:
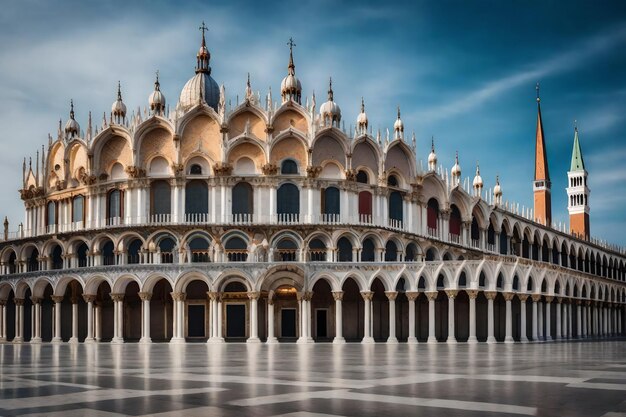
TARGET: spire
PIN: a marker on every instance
(362, 105)
(72, 109)
(203, 57)
(541, 157)
(578, 164)
(291, 67)
(119, 90)
(248, 89)
(330, 89)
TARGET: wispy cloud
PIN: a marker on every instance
(564, 61)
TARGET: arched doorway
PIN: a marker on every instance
(196, 301)
(323, 309)
(287, 314)
(380, 312)
(161, 308)
(235, 304)
(104, 313)
(132, 313)
(353, 311)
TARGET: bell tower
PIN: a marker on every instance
(578, 193)
(541, 184)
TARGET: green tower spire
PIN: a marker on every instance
(578, 164)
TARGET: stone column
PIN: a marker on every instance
(412, 296)
(220, 338)
(118, 300)
(19, 320)
(472, 294)
(89, 299)
(522, 310)
(391, 296)
(508, 334)
(578, 319)
(57, 318)
(145, 317)
(535, 298)
(559, 300)
(451, 296)
(271, 338)
(98, 320)
(549, 299)
(212, 316)
(490, 295)
(583, 308)
(539, 320)
(569, 319)
(432, 296)
(338, 296)
(308, 296)
(367, 298)
(177, 313)
(74, 338)
(3, 321)
(36, 337)
(254, 323)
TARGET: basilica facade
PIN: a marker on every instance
(268, 222)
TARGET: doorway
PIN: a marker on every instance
(195, 320)
(321, 323)
(236, 321)
(288, 322)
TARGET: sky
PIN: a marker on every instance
(461, 72)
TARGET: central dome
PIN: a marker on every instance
(201, 87)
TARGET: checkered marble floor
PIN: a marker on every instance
(550, 379)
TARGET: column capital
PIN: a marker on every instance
(178, 296)
(508, 296)
(145, 296)
(117, 296)
(579, 302)
(491, 295)
(57, 298)
(367, 295)
(472, 294)
(588, 302)
(253, 295)
(308, 295)
(338, 295)
(412, 295)
(3, 302)
(549, 298)
(452, 293)
(89, 298)
(522, 297)
(559, 300)
(35, 300)
(536, 297)
(391, 295)
(18, 301)
(431, 295)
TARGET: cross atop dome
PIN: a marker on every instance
(203, 57)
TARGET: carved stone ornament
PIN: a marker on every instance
(269, 169)
(135, 172)
(178, 169)
(222, 169)
(350, 174)
(313, 171)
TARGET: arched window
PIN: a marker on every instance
(114, 207)
(286, 251)
(166, 247)
(430, 254)
(368, 251)
(344, 248)
(362, 177)
(421, 284)
(160, 196)
(81, 254)
(411, 253)
(395, 206)
(236, 249)
(330, 201)
(475, 231)
(12, 263)
(529, 286)
(482, 280)
(196, 200)
(199, 248)
(432, 215)
(440, 282)
(391, 252)
(288, 202)
(544, 286)
(57, 257)
(392, 181)
(317, 251)
(499, 282)
(33, 261)
(134, 257)
(108, 257)
(78, 209)
(455, 221)
(515, 283)
(195, 169)
(242, 199)
(462, 280)
(51, 213)
(365, 206)
(289, 167)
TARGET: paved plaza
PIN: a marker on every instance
(550, 379)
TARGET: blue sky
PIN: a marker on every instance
(462, 71)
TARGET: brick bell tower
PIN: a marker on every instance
(541, 184)
(578, 192)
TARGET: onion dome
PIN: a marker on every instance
(330, 111)
(72, 128)
(497, 190)
(398, 127)
(118, 108)
(456, 169)
(290, 87)
(201, 87)
(361, 120)
(432, 157)
(157, 99)
(478, 181)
